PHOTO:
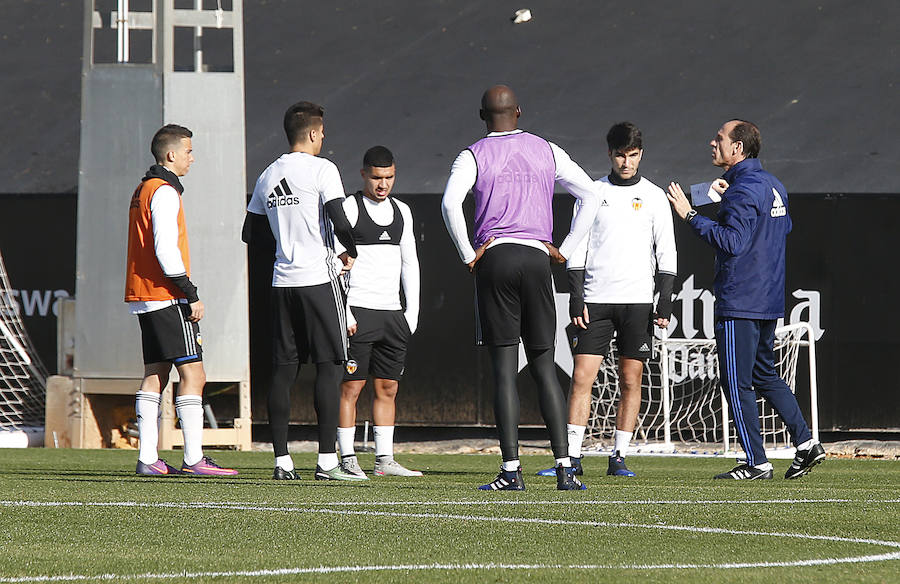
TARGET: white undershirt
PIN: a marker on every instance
(380, 270)
(569, 175)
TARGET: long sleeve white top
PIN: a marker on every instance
(381, 270)
(631, 239)
(569, 175)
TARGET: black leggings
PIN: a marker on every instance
(506, 398)
(327, 403)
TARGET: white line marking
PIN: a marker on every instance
(532, 520)
(424, 567)
(479, 502)
(419, 567)
(604, 502)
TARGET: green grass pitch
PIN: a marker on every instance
(83, 516)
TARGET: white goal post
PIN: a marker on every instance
(682, 401)
(22, 375)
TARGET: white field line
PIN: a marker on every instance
(419, 567)
(475, 502)
(600, 502)
(531, 520)
(428, 567)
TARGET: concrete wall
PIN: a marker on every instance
(820, 78)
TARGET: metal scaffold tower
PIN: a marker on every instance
(148, 63)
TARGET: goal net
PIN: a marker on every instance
(682, 401)
(22, 375)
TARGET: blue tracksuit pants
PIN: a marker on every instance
(747, 367)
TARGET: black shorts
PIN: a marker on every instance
(379, 345)
(630, 322)
(168, 336)
(514, 297)
(308, 323)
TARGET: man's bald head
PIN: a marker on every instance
(500, 109)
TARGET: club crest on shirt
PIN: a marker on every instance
(352, 367)
(637, 203)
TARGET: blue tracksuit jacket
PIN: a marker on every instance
(749, 239)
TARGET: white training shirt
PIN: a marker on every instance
(380, 270)
(292, 193)
(463, 174)
(632, 238)
(164, 216)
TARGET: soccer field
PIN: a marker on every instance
(83, 516)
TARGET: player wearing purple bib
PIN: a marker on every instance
(511, 174)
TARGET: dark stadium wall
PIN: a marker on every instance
(820, 78)
(836, 278)
(37, 242)
(834, 282)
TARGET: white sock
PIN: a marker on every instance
(566, 461)
(384, 440)
(189, 409)
(327, 460)
(807, 445)
(346, 437)
(511, 465)
(286, 463)
(764, 466)
(575, 435)
(146, 406)
(623, 439)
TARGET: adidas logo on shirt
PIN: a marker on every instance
(281, 196)
(778, 208)
(384, 236)
(604, 203)
(644, 347)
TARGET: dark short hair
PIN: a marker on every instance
(378, 156)
(300, 118)
(747, 134)
(165, 138)
(624, 136)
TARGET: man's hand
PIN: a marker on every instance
(478, 253)
(197, 311)
(720, 185)
(555, 256)
(412, 321)
(678, 199)
(583, 320)
(351, 329)
(347, 262)
(662, 322)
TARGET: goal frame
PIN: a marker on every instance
(794, 337)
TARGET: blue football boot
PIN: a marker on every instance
(566, 479)
(551, 472)
(507, 480)
(617, 466)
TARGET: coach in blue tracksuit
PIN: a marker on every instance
(749, 238)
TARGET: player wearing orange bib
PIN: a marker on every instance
(158, 289)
